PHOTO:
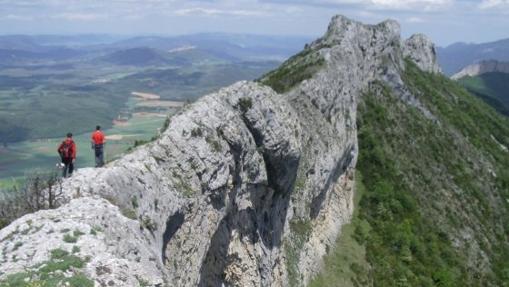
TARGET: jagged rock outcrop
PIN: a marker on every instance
(246, 187)
(420, 49)
(483, 67)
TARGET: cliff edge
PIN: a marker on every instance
(248, 186)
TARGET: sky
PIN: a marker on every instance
(445, 21)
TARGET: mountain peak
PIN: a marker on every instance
(422, 51)
(342, 27)
(419, 48)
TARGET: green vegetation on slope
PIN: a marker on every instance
(493, 88)
(51, 273)
(295, 70)
(428, 184)
(346, 264)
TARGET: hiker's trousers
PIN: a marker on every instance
(99, 155)
(68, 167)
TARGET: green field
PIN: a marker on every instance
(20, 158)
(39, 106)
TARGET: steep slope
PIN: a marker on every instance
(251, 186)
(489, 81)
(493, 88)
(436, 200)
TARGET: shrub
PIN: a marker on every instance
(245, 104)
(196, 132)
(40, 191)
(69, 238)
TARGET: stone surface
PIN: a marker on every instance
(421, 50)
(246, 187)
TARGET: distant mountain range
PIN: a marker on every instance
(483, 67)
(91, 77)
(455, 57)
(146, 50)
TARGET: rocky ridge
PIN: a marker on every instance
(483, 67)
(246, 187)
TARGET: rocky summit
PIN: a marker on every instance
(249, 186)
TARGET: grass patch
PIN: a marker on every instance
(148, 224)
(73, 238)
(134, 202)
(346, 264)
(94, 230)
(300, 232)
(17, 245)
(49, 273)
(295, 70)
(245, 104)
(214, 144)
(129, 213)
(196, 132)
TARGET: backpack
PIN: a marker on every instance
(66, 150)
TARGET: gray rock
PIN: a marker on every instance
(421, 50)
(246, 187)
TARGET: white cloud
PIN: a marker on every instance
(490, 4)
(377, 4)
(80, 16)
(218, 12)
(415, 20)
(18, 17)
(412, 4)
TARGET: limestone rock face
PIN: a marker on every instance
(482, 67)
(421, 50)
(246, 187)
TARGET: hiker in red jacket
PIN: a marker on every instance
(98, 146)
(67, 151)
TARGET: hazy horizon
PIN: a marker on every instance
(445, 21)
(130, 36)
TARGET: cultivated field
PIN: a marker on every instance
(21, 158)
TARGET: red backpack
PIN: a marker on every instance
(65, 149)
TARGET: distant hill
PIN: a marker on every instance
(456, 56)
(483, 67)
(489, 80)
(492, 87)
(183, 56)
(37, 42)
(235, 46)
(136, 57)
(22, 57)
(19, 50)
(18, 42)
